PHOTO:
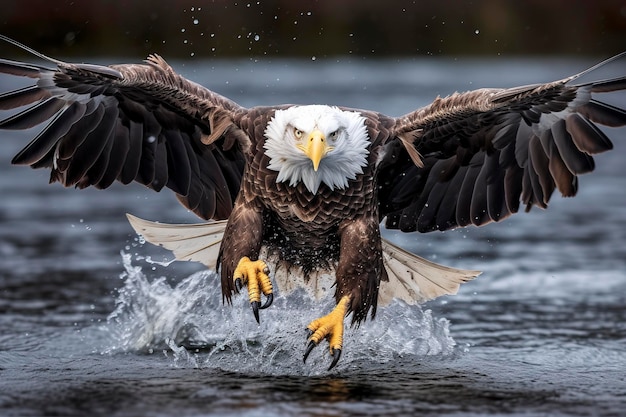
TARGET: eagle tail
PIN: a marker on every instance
(411, 278)
(199, 242)
(414, 279)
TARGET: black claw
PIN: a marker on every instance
(238, 284)
(336, 355)
(309, 348)
(255, 309)
(268, 301)
(309, 333)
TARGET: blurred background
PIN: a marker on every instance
(226, 28)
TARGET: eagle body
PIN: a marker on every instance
(305, 189)
(308, 230)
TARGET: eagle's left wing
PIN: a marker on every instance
(129, 122)
(485, 151)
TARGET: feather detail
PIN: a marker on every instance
(413, 153)
(198, 242)
(415, 280)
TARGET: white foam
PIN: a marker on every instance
(189, 323)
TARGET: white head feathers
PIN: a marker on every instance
(346, 135)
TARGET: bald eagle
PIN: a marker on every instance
(297, 193)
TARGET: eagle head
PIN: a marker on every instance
(317, 144)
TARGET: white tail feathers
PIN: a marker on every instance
(411, 278)
(199, 242)
(415, 279)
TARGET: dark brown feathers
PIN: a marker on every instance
(485, 151)
(140, 123)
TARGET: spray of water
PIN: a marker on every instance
(189, 323)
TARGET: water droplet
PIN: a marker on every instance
(477, 31)
(196, 21)
(257, 37)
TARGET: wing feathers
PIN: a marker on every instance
(496, 203)
(544, 183)
(501, 147)
(88, 152)
(177, 160)
(97, 170)
(608, 86)
(21, 69)
(130, 170)
(603, 113)
(78, 132)
(135, 122)
(478, 206)
(576, 161)
(39, 147)
(22, 97)
(535, 194)
(119, 151)
(513, 186)
(587, 137)
(34, 115)
(464, 203)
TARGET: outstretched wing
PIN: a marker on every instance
(137, 122)
(485, 151)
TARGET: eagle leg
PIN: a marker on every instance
(254, 274)
(329, 327)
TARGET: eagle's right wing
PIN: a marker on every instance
(487, 150)
(132, 122)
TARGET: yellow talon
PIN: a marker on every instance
(254, 275)
(329, 327)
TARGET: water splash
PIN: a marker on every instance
(189, 323)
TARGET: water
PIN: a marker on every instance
(94, 322)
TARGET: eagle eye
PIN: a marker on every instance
(298, 133)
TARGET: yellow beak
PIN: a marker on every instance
(315, 148)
